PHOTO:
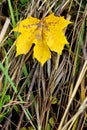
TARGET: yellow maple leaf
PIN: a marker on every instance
(47, 34)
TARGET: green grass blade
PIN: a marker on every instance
(12, 14)
(10, 81)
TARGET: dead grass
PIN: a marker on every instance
(52, 97)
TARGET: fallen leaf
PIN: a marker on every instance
(47, 34)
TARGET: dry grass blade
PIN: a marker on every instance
(82, 74)
(72, 120)
(4, 29)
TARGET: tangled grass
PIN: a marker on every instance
(53, 97)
